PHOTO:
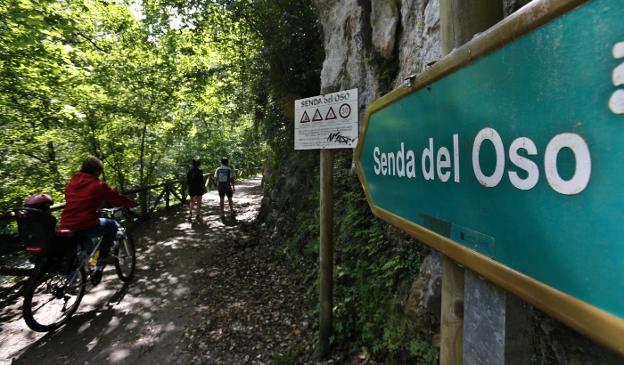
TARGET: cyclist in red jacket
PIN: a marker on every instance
(84, 195)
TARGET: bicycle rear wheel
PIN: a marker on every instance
(51, 298)
(126, 257)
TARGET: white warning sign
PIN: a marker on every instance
(334, 121)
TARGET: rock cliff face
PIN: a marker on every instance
(374, 45)
(419, 41)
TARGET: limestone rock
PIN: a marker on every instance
(555, 343)
(348, 47)
(423, 302)
(384, 21)
(419, 42)
(510, 6)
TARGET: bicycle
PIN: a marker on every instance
(64, 264)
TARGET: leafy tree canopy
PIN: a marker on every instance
(143, 85)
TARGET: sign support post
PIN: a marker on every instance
(326, 250)
(326, 122)
(459, 21)
(452, 316)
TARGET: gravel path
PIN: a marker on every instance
(209, 292)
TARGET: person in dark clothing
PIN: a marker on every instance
(84, 195)
(195, 183)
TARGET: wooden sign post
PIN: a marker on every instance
(459, 21)
(326, 122)
(326, 251)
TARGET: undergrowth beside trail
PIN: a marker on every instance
(374, 266)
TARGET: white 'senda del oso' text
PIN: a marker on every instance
(442, 163)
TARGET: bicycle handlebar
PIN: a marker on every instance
(116, 213)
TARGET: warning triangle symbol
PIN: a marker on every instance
(317, 116)
(330, 114)
(305, 118)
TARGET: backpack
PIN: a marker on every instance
(223, 176)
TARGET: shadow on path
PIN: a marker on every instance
(142, 322)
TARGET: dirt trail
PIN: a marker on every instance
(196, 298)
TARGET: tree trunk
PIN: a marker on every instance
(143, 195)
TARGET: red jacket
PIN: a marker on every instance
(84, 195)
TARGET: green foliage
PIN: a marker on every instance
(369, 273)
(133, 85)
(371, 269)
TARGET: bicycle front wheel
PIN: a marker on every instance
(126, 257)
(51, 298)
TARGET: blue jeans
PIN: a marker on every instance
(105, 228)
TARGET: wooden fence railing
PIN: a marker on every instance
(169, 193)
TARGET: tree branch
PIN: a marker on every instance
(32, 155)
(92, 42)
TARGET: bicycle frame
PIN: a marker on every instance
(58, 282)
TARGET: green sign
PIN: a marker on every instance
(508, 156)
